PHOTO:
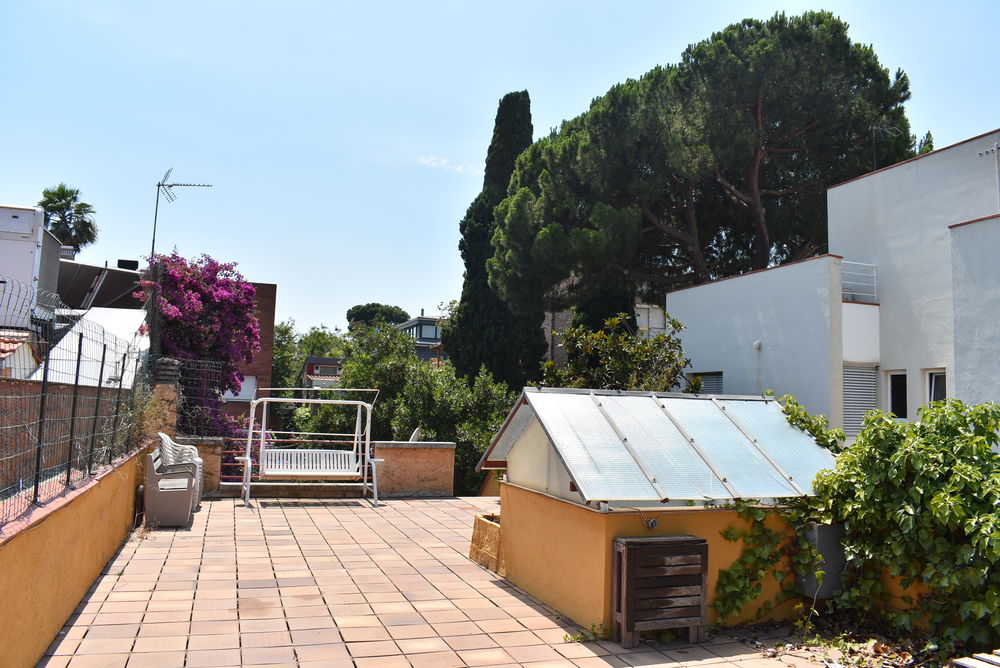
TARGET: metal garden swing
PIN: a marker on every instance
(340, 457)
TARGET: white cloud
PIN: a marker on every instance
(437, 162)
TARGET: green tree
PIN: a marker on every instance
(415, 394)
(369, 314)
(785, 110)
(707, 168)
(285, 361)
(320, 341)
(926, 145)
(616, 358)
(483, 330)
(69, 219)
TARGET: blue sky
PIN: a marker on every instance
(346, 140)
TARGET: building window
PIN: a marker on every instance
(897, 394)
(711, 382)
(429, 332)
(935, 386)
(247, 391)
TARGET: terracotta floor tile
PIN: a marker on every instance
(54, 661)
(261, 625)
(580, 650)
(266, 639)
(214, 641)
(266, 655)
(104, 645)
(535, 653)
(315, 637)
(364, 633)
(422, 645)
(63, 646)
(103, 618)
(213, 658)
(99, 661)
(652, 659)
(303, 623)
(331, 652)
(369, 649)
(599, 662)
(164, 629)
(485, 657)
(166, 616)
(436, 660)
(113, 631)
(501, 626)
(412, 631)
(478, 641)
(352, 621)
(515, 638)
(171, 644)
(456, 629)
(156, 660)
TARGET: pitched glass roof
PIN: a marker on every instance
(634, 446)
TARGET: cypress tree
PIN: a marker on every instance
(483, 331)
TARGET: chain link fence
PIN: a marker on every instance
(72, 397)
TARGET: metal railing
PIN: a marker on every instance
(72, 397)
(858, 282)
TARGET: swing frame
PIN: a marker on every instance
(314, 464)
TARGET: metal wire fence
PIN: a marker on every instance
(72, 397)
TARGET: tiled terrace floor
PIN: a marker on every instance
(331, 583)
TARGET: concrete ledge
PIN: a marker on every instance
(414, 444)
(409, 469)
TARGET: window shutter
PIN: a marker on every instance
(711, 383)
(860, 396)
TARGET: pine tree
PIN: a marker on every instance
(483, 331)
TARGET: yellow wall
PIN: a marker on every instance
(560, 552)
(48, 565)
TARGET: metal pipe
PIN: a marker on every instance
(118, 405)
(72, 411)
(97, 409)
(41, 422)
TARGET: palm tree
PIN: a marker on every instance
(69, 219)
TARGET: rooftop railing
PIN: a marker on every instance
(858, 282)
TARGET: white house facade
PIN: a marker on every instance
(904, 310)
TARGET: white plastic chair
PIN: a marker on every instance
(174, 453)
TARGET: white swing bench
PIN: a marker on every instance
(277, 461)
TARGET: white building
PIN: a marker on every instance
(905, 308)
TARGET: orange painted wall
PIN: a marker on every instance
(52, 559)
(561, 552)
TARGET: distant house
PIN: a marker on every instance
(903, 310)
(426, 334)
(321, 372)
(649, 321)
(257, 374)
(18, 354)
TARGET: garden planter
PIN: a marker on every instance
(826, 538)
(485, 546)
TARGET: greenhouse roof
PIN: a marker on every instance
(642, 446)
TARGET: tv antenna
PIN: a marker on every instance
(881, 129)
(163, 186)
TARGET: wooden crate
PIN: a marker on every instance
(659, 583)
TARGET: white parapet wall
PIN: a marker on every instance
(975, 248)
(779, 329)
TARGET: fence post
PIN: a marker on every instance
(118, 405)
(72, 412)
(41, 421)
(97, 409)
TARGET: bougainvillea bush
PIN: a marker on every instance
(206, 311)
